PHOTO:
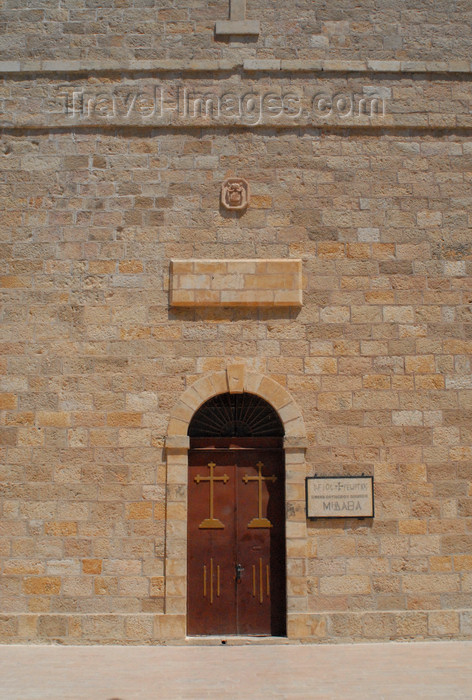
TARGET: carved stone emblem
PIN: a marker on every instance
(235, 193)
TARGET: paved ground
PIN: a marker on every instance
(362, 671)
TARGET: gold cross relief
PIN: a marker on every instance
(259, 521)
(211, 523)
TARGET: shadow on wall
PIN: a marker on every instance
(234, 313)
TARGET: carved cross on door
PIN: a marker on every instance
(237, 22)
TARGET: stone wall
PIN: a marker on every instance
(95, 205)
(175, 29)
(378, 359)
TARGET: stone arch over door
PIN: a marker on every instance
(235, 379)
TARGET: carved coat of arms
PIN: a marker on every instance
(235, 193)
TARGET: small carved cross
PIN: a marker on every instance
(237, 22)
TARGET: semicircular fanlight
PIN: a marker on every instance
(236, 415)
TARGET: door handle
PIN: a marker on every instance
(239, 571)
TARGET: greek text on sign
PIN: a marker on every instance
(340, 497)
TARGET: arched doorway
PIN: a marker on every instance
(236, 564)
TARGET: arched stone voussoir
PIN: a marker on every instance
(275, 394)
(220, 382)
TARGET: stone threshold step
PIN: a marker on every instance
(235, 640)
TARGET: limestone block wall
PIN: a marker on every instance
(155, 30)
(354, 134)
(94, 359)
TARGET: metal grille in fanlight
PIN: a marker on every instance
(236, 415)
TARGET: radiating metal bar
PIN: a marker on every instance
(204, 581)
(254, 580)
(218, 580)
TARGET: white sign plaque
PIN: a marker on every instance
(340, 496)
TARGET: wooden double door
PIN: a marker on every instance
(236, 537)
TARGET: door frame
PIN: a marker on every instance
(235, 379)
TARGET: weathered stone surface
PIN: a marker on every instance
(426, 32)
(353, 129)
(234, 27)
(254, 93)
(250, 282)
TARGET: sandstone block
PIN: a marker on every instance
(443, 622)
(139, 511)
(42, 585)
(92, 566)
(339, 585)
